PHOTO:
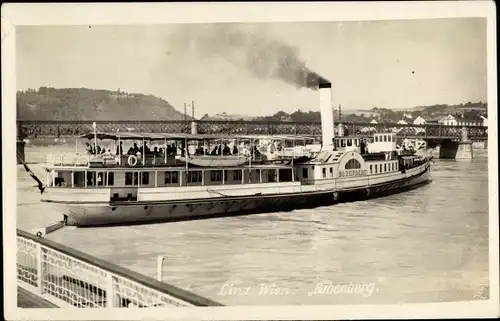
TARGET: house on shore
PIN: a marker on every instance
(464, 120)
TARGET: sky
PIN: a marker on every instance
(388, 64)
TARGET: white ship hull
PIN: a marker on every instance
(306, 196)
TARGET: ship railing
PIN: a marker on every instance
(69, 278)
(68, 159)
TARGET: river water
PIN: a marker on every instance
(425, 245)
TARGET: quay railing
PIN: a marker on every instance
(69, 278)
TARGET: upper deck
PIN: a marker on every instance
(177, 149)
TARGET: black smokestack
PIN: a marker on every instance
(255, 51)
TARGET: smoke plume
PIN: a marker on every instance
(261, 56)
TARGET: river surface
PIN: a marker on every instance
(425, 245)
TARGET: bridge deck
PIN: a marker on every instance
(39, 129)
(26, 299)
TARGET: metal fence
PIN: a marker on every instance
(67, 277)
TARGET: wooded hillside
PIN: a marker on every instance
(90, 104)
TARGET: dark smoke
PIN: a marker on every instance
(254, 51)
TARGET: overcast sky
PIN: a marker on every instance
(390, 64)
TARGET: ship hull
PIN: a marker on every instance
(126, 213)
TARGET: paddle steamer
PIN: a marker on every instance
(258, 175)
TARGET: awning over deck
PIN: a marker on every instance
(180, 136)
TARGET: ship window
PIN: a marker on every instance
(349, 142)
(171, 177)
(79, 179)
(385, 167)
(324, 172)
(111, 179)
(376, 139)
(131, 178)
(371, 169)
(145, 178)
(375, 167)
(357, 142)
(305, 173)
(352, 164)
(197, 177)
(380, 168)
(385, 138)
(90, 178)
(194, 176)
(237, 175)
(216, 176)
(331, 171)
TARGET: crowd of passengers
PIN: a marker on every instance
(171, 150)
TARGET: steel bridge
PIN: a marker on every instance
(65, 129)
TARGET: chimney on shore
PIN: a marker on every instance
(326, 108)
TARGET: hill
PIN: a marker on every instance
(48, 103)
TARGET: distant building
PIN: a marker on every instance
(365, 113)
(470, 121)
(485, 120)
(449, 120)
(402, 122)
(433, 120)
(461, 120)
(374, 121)
(419, 121)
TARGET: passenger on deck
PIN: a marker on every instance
(155, 151)
(235, 150)
(136, 149)
(226, 151)
(98, 150)
(89, 149)
(171, 150)
(119, 149)
(145, 149)
(219, 150)
(131, 151)
(214, 151)
(362, 147)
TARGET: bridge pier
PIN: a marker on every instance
(194, 128)
(457, 150)
(464, 151)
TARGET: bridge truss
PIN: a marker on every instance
(62, 129)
